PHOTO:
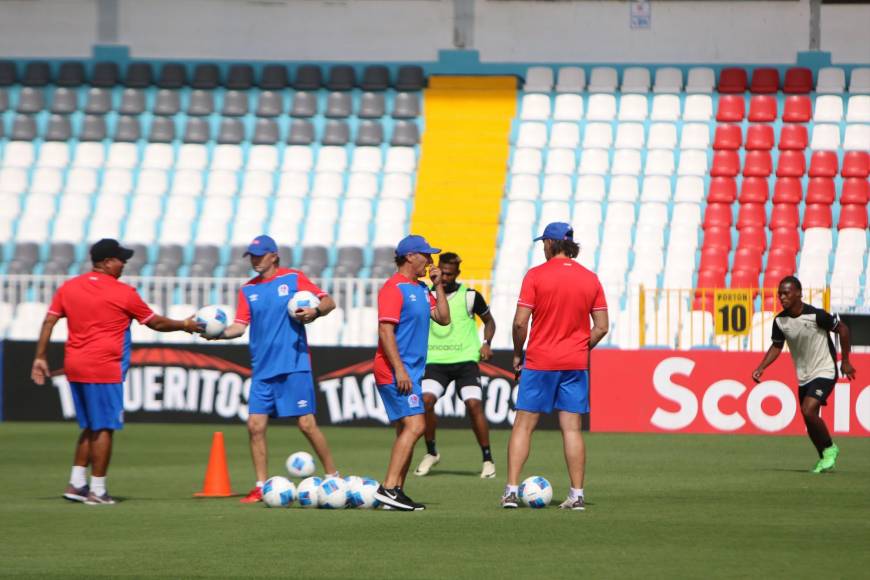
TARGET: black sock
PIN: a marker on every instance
(827, 443)
(487, 454)
(430, 448)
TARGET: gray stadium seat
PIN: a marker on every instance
(301, 132)
(341, 78)
(140, 253)
(405, 134)
(375, 78)
(406, 106)
(23, 128)
(4, 100)
(172, 76)
(8, 76)
(285, 255)
(201, 103)
(164, 270)
(64, 101)
(240, 77)
(132, 102)
(205, 260)
(58, 128)
(24, 258)
(380, 272)
(308, 78)
(128, 129)
(53, 268)
(36, 74)
(162, 130)
(371, 106)
(238, 269)
(62, 254)
(197, 130)
(205, 77)
(232, 132)
(270, 104)
(266, 132)
(99, 101)
(235, 104)
(339, 105)
(336, 133)
(314, 260)
(132, 268)
(410, 78)
(349, 263)
(167, 102)
(370, 133)
(71, 74)
(274, 77)
(139, 75)
(304, 105)
(93, 128)
(30, 100)
(105, 75)
(170, 254)
(198, 270)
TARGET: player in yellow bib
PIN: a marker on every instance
(454, 352)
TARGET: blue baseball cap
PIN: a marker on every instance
(415, 245)
(261, 245)
(557, 231)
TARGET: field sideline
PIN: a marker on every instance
(659, 506)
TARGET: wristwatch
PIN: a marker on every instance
(317, 310)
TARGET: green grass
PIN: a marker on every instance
(658, 506)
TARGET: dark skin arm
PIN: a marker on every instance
(387, 336)
(488, 333)
(772, 353)
(520, 330)
(845, 350)
(600, 326)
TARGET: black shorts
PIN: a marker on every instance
(817, 389)
(466, 374)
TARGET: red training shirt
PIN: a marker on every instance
(98, 309)
(561, 294)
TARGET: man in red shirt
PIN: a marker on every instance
(559, 296)
(98, 309)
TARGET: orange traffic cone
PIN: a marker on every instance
(217, 476)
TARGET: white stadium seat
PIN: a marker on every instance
(662, 136)
(568, 108)
(47, 180)
(597, 136)
(629, 136)
(331, 158)
(589, 188)
(693, 162)
(293, 184)
(362, 185)
(560, 161)
(626, 162)
(524, 187)
(698, 108)
(158, 156)
(557, 188)
(594, 162)
(701, 80)
(535, 107)
(602, 107)
(829, 109)
(298, 158)
(53, 154)
(397, 186)
(192, 156)
(603, 79)
(857, 138)
(400, 160)
(367, 159)
(635, 79)
(826, 137)
(122, 156)
(695, 136)
(327, 185)
(831, 80)
(623, 188)
(526, 161)
(565, 135)
(262, 158)
(89, 155)
(633, 108)
(539, 79)
(668, 80)
(227, 157)
(571, 79)
(532, 135)
(665, 108)
(858, 110)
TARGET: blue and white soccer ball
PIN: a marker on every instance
(300, 464)
(302, 299)
(361, 493)
(308, 492)
(278, 492)
(214, 320)
(333, 493)
(536, 492)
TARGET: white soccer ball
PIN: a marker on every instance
(308, 492)
(361, 493)
(278, 492)
(333, 493)
(214, 319)
(302, 299)
(536, 492)
(300, 464)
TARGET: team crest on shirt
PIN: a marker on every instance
(254, 297)
(413, 400)
(413, 297)
(302, 404)
(283, 290)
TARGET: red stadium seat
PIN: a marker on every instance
(732, 80)
(793, 137)
(821, 190)
(780, 259)
(791, 164)
(714, 259)
(752, 237)
(757, 164)
(725, 164)
(787, 238)
(856, 164)
(762, 109)
(817, 215)
(748, 259)
(853, 216)
(732, 109)
(788, 190)
(751, 215)
(772, 278)
(798, 109)
(754, 190)
(764, 81)
(728, 137)
(768, 299)
(784, 215)
(823, 164)
(744, 279)
(855, 190)
(722, 190)
(717, 215)
(759, 137)
(718, 237)
(798, 80)
(707, 279)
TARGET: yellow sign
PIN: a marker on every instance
(733, 311)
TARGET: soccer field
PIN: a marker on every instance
(658, 506)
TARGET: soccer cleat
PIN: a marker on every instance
(427, 463)
(817, 468)
(829, 458)
(395, 499)
(94, 499)
(510, 501)
(74, 493)
(488, 471)
(573, 504)
(253, 496)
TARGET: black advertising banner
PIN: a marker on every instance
(209, 383)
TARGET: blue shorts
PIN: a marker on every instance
(399, 405)
(99, 405)
(542, 391)
(288, 395)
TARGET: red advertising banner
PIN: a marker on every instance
(713, 392)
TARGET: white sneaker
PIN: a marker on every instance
(578, 504)
(488, 471)
(428, 462)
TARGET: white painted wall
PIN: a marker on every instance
(846, 32)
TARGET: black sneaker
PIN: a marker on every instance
(510, 501)
(417, 506)
(394, 498)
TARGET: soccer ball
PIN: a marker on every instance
(302, 299)
(278, 492)
(214, 319)
(300, 464)
(333, 493)
(308, 492)
(361, 493)
(536, 492)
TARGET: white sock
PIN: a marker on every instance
(78, 477)
(576, 492)
(260, 484)
(511, 489)
(98, 485)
